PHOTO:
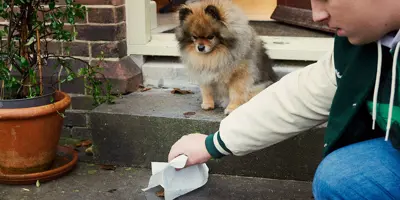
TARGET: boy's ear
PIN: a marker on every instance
(213, 11)
(183, 13)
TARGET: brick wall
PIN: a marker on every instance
(104, 29)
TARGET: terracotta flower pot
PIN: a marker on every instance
(29, 136)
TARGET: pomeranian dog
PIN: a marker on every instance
(223, 53)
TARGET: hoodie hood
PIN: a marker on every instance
(392, 41)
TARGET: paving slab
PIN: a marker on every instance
(89, 182)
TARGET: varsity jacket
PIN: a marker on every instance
(350, 88)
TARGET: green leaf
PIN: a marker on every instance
(67, 50)
(2, 33)
(128, 169)
(61, 114)
(70, 77)
(82, 71)
(71, 20)
(31, 40)
(24, 62)
(52, 5)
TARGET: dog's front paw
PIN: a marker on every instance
(230, 109)
(207, 106)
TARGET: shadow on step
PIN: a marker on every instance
(274, 28)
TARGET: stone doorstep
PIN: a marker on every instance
(169, 72)
(141, 127)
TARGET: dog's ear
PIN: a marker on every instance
(227, 38)
(213, 11)
(183, 13)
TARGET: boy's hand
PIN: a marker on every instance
(193, 146)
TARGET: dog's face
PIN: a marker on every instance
(202, 30)
(204, 43)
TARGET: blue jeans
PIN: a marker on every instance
(366, 170)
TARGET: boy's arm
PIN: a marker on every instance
(297, 102)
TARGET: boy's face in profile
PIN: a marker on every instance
(362, 21)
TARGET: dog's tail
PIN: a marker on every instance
(265, 64)
(259, 88)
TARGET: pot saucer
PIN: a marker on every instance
(64, 162)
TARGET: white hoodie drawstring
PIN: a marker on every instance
(377, 81)
(392, 91)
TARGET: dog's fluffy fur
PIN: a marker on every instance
(223, 53)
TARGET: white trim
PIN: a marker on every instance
(218, 146)
(138, 22)
(153, 14)
(171, 73)
(278, 47)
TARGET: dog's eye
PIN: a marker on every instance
(194, 37)
(210, 37)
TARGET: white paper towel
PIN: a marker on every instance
(177, 183)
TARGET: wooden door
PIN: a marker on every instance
(303, 4)
(257, 9)
(297, 12)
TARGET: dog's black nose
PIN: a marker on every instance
(201, 47)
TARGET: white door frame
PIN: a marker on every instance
(141, 41)
(138, 23)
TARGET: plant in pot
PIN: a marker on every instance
(31, 108)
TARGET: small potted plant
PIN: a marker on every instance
(31, 109)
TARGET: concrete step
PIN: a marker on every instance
(89, 182)
(169, 72)
(141, 127)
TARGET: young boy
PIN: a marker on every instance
(355, 88)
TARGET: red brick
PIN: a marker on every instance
(66, 27)
(111, 49)
(76, 49)
(102, 2)
(77, 19)
(76, 86)
(120, 12)
(102, 15)
(50, 76)
(124, 75)
(106, 15)
(53, 67)
(101, 32)
(53, 47)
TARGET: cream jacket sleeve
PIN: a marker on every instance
(299, 101)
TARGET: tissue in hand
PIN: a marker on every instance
(177, 183)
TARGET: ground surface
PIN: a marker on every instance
(87, 182)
